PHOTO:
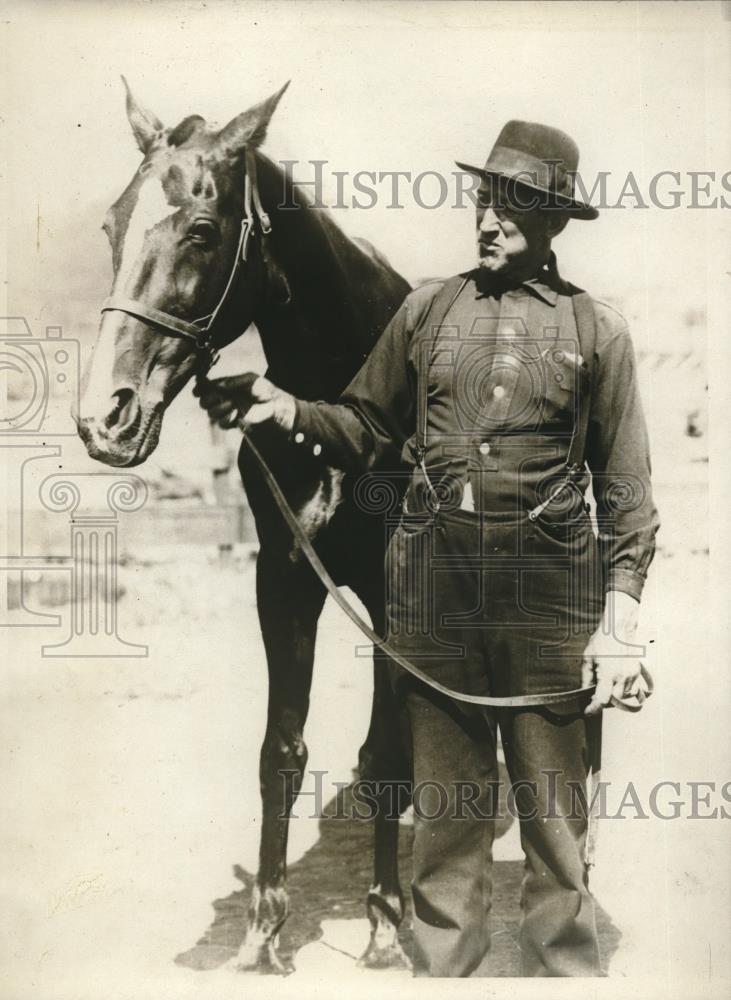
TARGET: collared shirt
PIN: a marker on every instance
(493, 396)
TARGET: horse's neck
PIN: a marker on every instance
(339, 297)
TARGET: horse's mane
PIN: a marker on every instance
(345, 288)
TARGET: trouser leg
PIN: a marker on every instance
(558, 931)
(455, 780)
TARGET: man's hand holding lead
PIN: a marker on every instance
(245, 400)
(612, 657)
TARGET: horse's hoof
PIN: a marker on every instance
(385, 912)
(391, 956)
(263, 961)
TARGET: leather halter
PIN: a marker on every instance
(201, 331)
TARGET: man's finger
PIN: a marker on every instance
(212, 403)
(223, 384)
(258, 413)
(620, 690)
(602, 696)
(221, 409)
(207, 397)
(639, 686)
(230, 420)
(587, 671)
(634, 693)
(631, 686)
(262, 389)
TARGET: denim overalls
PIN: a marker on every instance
(500, 604)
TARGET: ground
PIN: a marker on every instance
(131, 798)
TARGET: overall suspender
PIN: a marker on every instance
(576, 456)
(435, 316)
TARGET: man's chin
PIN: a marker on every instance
(492, 264)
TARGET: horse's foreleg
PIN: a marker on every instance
(288, 613)
(382, 759)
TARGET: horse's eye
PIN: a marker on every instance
(203, 232)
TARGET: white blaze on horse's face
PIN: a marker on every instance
(152, 208)
(124, 393)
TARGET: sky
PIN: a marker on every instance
(382, 87)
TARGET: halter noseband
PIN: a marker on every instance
(200, 331)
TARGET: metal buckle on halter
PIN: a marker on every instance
(205, 348)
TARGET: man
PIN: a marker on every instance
(498, 389)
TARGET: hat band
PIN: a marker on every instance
(521, 167)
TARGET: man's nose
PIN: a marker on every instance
(489, 223)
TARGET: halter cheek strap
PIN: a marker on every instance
(201, 331)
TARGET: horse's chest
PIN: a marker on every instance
(315, 513)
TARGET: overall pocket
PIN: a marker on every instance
(563, 530)
(566, 381)
(407, 567)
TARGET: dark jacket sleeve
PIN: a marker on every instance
(374, 416)
(619, 458)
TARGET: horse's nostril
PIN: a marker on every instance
(124, 410)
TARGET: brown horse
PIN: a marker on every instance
(319, 301)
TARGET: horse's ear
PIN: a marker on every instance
(146, 126)
(250, 127)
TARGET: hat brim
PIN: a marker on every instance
(572, 207)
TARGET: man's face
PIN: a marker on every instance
(510, 240)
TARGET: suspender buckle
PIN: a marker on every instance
(266, 223)
(245, 236)
(434, 500)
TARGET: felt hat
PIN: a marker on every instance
(539, 162)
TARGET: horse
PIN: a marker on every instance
(210, 227)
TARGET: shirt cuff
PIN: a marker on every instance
(301, 434)
(627, 581)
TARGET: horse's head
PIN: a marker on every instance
(174, 233)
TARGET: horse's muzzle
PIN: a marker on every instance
(121, 433)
